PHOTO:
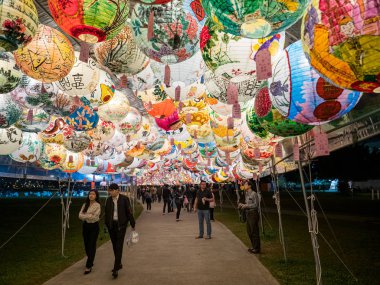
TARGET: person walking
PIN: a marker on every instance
(202, 206)
(148, 200)
(118, 213)
(178, 200)
(251, 206)
(166, 198)
(89, 214)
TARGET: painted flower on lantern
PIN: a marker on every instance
(204, 37)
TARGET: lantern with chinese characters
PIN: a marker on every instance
(104, 131)
(19, 22)
(90, 21)
(10, 74)
(77, 141)
(83, 118)
(52, 156)
(30, 149)
(73, 162)
(10, 112)
(48, 57)
(82, 79)
(300, 94)
(121, 54)
(341, 39)
(116, 109)
(165, 33)
(254, 18)
(131, 123)
(33, 120)
(10, 140)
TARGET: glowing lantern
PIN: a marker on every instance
(10, 140)
(90, 165)
(104, 91)
(95, 148)
(77, 141)
(168, 123)
(48, 57)
(143, 80)
(52, 156)
(82, 79)
(254, 124)
(121, 54)
(174, 32)
(131, 123)
(90, 21)
(10, 112)
(18, 21)
(83, 118)
(73, 162)
(340, 39)
(254, 19)
(103, 132)
(30, 149)
(33, 120)
(162, 109)
(144, 131)
(117, 140)
(300, 94)
(10, 74)
(116, 109)
(56, 131)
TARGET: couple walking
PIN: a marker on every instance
(118, 213)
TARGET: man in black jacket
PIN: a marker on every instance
(117, 215)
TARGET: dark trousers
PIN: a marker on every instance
(166, 202)
(117, 238)
(159, 198)
(253, 228)
(148, 204)
(211, 214)
(179, 206)
(90, 236)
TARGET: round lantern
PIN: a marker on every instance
(131, 123)
(95, 148)
(10, 112)
(254, 124)
(300, 94)
(52, 156)
(48, 57)
(143, 80)
(254, 19)
(117, 140)
(174, 35)
(56, 131)
(162, 109)
(83, 119)
(82, 79)
(104, 90)
(341, 40)
(77, 141)
(10, 74)
(19, 22)
(121, 54)
(169, 123)
(33, 120)
(104, 131)
(73, 162)
(144, 131)
(90, 165)
(90, 21)
(30, 149)
(232, 56)
(107, 152)
(153, 96)
(10, 140)
(116, 109)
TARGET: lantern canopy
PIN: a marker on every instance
(48, 57)
(19, 22)
(90, 21)
(254, 19)
(300, 94)
(341, 40)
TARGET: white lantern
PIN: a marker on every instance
(10, 140)
(30, 149)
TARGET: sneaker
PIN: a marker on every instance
(198, 237)
(208, 237)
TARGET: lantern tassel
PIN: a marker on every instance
(151, 25)
(167, 76)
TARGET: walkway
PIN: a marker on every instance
(169, 254)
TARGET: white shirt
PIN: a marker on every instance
(92, 214)
(115, 215)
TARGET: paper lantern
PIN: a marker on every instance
(254, 124)
(48, 57)
(168, 123)
(30, 149)
(90, 21)
(144, 132)
(56, 131)
(10, 74)
(104, 90)
(116, 109)
(82, 79)
(107, 152)
(131, 123)
(10, 112)
(104, 131)
(208, 150)
(117, 140)
(19, 22)
(95, 148)
(121, 54)
(174, 35)
(52, 156)
(300, 94)
(10, 140)
(73, 162)
(90, 165)
(162, 109)
(83, 118)
(340, 39)
(143, 80)
(254, 19)
(33, 120)
(77, 141)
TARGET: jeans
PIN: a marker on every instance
(204, 215)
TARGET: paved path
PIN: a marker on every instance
(169, 254)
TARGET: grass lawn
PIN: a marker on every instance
(34, 255)
(359, 242)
